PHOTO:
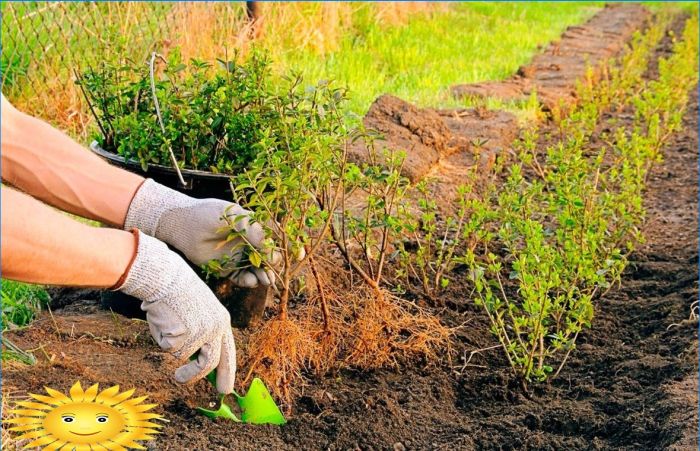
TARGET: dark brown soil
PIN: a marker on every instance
(420, 133)
(553, 73)
(631, 384)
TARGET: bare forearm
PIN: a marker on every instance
(41, 245)
(49, 165)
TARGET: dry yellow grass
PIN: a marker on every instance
(61, 104)
(7, 438)
(205, 29)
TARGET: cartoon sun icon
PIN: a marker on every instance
(85, 420)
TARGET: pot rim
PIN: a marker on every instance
(135, 165)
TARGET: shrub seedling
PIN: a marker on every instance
(213, 115)
(562, 233)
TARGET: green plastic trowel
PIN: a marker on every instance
(257, 407)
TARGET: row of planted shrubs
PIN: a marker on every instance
(550, 232)
(540, 238)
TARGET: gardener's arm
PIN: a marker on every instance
(50, 166)
(41, 245)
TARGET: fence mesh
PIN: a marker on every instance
(44, 43)
(43, 40)
(46, 40)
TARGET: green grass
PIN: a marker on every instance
(688, 6)
(21, 302)
(420, 61)
(467, 42)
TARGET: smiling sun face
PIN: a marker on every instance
(85, 420)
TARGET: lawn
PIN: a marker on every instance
(21, 302)
(468, 42)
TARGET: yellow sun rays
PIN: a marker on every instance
(107, 420)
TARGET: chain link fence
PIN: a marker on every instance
(45, 40)
(44, 43)
(48, 40)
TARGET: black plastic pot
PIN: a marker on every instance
(245, 305)
(199, 184)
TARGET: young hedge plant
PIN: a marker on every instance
(565, 219)
(293, 185)
(213, 113)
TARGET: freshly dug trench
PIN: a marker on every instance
(446, 143)
(552, 75)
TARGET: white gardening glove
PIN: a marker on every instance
(183, 314)
(197, 228)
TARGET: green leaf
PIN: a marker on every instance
(255, 259)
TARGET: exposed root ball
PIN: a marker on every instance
(277, 352)
(362, 328)
(386, 332)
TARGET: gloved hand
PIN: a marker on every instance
(197, 228)
(183, 314)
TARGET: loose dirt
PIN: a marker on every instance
(444, 143)
(631, 384)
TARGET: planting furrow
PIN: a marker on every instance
(483, 135)
(565, 218)
(552, 75)
(629, 384)
(445, 144)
